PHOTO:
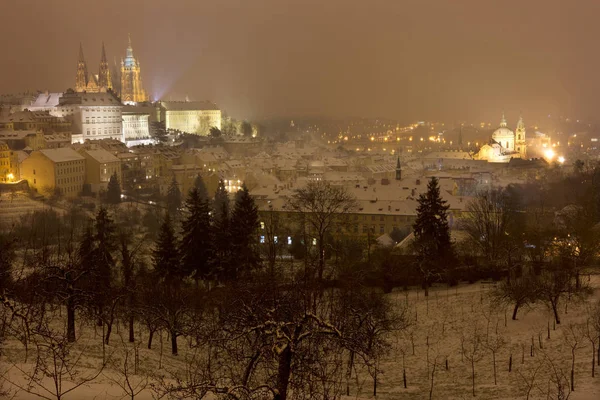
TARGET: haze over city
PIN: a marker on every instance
(294, 200)
(408, 60)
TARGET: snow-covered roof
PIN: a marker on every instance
(62, 154)
(102, 156)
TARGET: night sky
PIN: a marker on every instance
(405, 59)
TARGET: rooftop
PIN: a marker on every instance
(188, 105)
(62, 154)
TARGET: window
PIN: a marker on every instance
(34, 171)
(381, 228)
(289, 241)
(314, 241)
(275, 239)
(262, 225)
(262, 238)
(381, 218)
(34, 182)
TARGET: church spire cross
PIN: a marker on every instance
(503, 120)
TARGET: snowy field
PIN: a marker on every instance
(442, 325)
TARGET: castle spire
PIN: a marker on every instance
(104, 79)
(103, 56)
(81, 59)
(81, 77)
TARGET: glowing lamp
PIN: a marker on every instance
(549, 154)
(10, 176)
(561, 159)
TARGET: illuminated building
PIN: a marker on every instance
(505, 144)
(85, 82)
(55, 170)
(136, 125)
(8, 164)
(190, 116)
(95, 116)
(100, 165)
(132, 90)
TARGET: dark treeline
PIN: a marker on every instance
(194, 271)
(261, 316)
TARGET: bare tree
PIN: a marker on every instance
(129, 376)
(494, 343)
(528, 377)
(518, 292)
(471, 345)
(57, 361)
(573, 336)
(321, 207)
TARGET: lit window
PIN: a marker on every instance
(314, 241)
(262, 225)
(262, 239)
(289, 240)
(275, 239)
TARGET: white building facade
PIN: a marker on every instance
(95, 116)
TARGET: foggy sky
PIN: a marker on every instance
(406, 59)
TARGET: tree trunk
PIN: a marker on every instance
(473, 375)
(284, 371)
(150, 336)
(494, 362)
(131, 334)
(70, 320)
(516, 309)
(573, 371)
(555, 311)
(108, 331)
(173, 342)
(349, 372)
(593, 360)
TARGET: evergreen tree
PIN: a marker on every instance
(221, 230)
(432, 234)
(201, 186)
(165, 254)
(113, 192)
(244, 223)
(196, 245)
(173, 197)
(102, 258)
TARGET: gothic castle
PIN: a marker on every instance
(128, 84)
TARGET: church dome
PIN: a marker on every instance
(502, 132)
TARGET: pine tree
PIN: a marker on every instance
(113, 192)
(96, 257)
(244, 223)
(432, 234)
(201, 186)
(196, 244)
(165, 254)
(173, 197)
(221, 230)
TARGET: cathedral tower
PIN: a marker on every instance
(82, 74)
(132, 90)
(104, 79)
(520, 145)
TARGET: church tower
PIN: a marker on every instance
(520, 145)
(398, 170)
(82, 74)
(132, 90)
(104, 79)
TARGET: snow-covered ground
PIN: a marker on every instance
(441, 320)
